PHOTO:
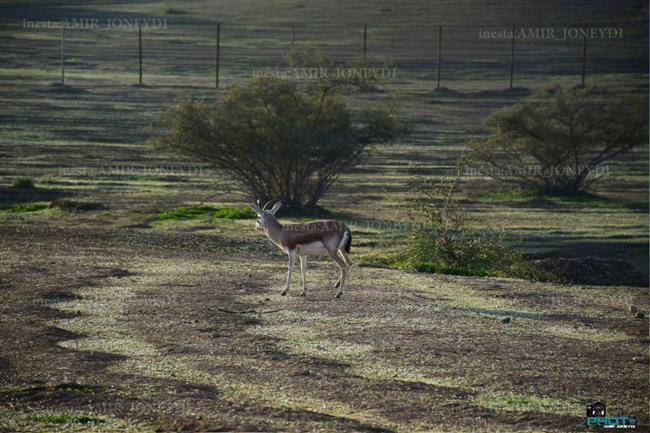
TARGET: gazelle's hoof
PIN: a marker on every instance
(338, 295)
(303, 293)
(284, 293)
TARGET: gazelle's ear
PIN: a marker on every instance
(257, 210)
(276, 207)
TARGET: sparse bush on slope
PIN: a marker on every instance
(555, 141)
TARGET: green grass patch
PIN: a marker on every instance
(507, 267)
(526, 403)
(75, 387)
(186, 213)
(442, 269)
(234, 213)
(28, 207)
(527, 195)
(397, 261)
(67, 418)
(204, 212)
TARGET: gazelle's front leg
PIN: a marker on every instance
(303, 270)
(292, 261)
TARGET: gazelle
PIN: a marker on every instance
(317, 238)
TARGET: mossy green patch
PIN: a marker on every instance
(516, 269)
(28, 207)
(186, 213)
(204, 212)
(63, 421)
(527, 403)
(234, 213)
(67, 418)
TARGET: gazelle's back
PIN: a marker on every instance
(314, 231)
(317, 226)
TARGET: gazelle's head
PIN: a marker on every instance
(265, 215)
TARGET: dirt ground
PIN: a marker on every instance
(106, 329)
(112, 321)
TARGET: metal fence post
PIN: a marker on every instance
(217, 56)
(512, 57)
(584, 59)
(140, 52)
(438, 63)
(62, 56)
(365, 45)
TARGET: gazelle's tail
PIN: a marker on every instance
(344, 248)
(348, 242)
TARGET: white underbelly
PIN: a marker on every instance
(312, 249)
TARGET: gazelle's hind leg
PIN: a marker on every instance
(303, 270)
(344, 269)
(348, 264)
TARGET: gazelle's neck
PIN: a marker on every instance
(273, 230)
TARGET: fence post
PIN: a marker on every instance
(140, 52)
(217, 56)
(365, 46)
(584, 59)
(512, 57)
(438, 63)
(62, 56)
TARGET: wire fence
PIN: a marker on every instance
(132, 52)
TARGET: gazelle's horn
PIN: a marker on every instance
(267, 204)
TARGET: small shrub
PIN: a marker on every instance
(23, 183)
(440, 241)
(171, 10)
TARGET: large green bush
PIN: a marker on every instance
(276, 139)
